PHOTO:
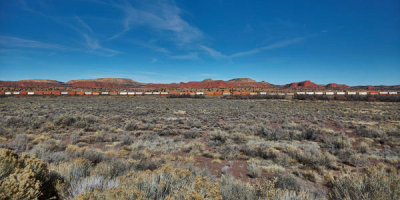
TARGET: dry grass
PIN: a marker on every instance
(162, 148)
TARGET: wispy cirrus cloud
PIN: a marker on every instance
(10, 41)
(150, 45)
(93, 45)
(163, 16)
(90, 42)
(189, 56)
(280, 44)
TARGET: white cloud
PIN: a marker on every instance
(213, 53)
(161, 16)
(20, 42)
(189, 56)
(218, 55)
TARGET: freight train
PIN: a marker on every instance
(149, 93)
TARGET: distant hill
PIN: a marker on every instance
(308, 84)
(104, 83)
(209, 83)
(35, 83)
(124, 83)
(303, 84)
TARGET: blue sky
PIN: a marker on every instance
(355, 42)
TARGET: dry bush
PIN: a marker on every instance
(254, 171)
(164, 183)
(93, 155)
(24, 177)
(218, 137)
(370, 132)
(375, 183)
(131, 126)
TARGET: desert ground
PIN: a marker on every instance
(188, 148)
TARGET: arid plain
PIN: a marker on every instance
(190, 148)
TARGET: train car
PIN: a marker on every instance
(23, 93)
(199, 93)
(340, 93)
(96, 93)
(362, 93)
(15, 93)
(253, 93)
(226, 93)
(164, 93)
(47, 93)
(113, 93)
(209, 93)
(236, 93)
(174, 93)
(1, 93)
(309, 93)
(7, 93)
(245, 93)
(105, 93)
(319, 93)
(148, 93)
(300, 93)
(88, 93)
(31, 93)
(156, 93)
(39, 93)
(131, 93)
(373, 93)
(273, 93)
(71, 93)
(383, 93)
(80, 93)
(218, 93)
(392, 93)
(351, 93)
(329, 93)
(57, 93)
(139, 93)
(281, 94)
(64, 93)
(263, 93)
(290, 94)
(123, 93)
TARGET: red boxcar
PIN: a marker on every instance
(23, 93)
(72, 93)
(210, 93)
(96, 93)
(47, 93)
(38, 93)
(373, 93)
(218, 93)
(80, 93)
(245, 93)
(113, 93)
(174, 93)
(1, 93)
(236, 93)
(57, 93)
